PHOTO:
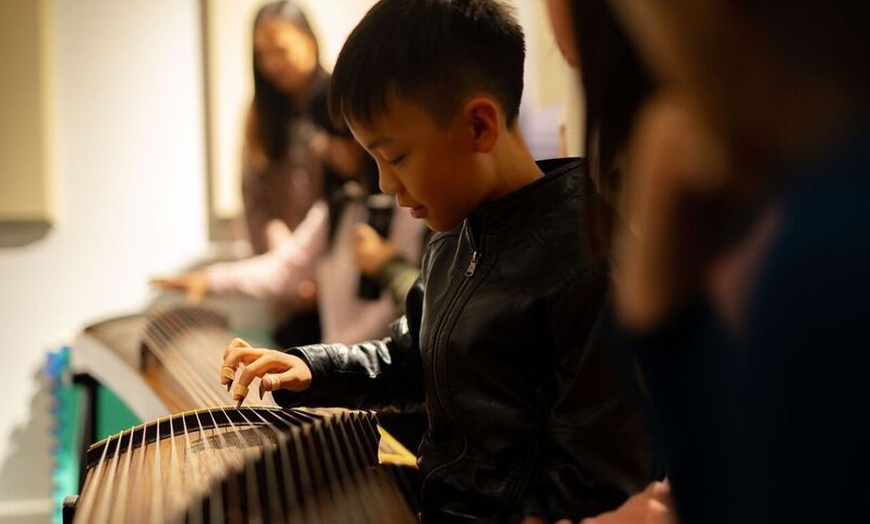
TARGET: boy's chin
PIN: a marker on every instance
(440, 227)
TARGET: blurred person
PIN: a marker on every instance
(282, 177)
(320, 250)
(743, 292)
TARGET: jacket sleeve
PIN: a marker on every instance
(366, 375)
(596, 436)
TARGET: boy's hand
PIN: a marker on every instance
(194, 284)
(275, 369)
(370, 250)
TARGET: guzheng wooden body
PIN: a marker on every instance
(245, 465)
(199, 462)
(168, 360)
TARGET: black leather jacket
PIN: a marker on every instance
(527, 412)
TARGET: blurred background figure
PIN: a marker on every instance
(321, 249)
(282, 176)
(571, 125)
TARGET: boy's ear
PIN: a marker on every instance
(482, 119)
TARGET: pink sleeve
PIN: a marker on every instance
(277, 273)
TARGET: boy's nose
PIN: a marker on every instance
(387, 182)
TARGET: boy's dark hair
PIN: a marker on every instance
(435, 53)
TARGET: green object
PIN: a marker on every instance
(113, 415)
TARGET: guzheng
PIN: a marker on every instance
(200, 463)
(246, 465)
(167, 360)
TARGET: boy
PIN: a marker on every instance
(527, 416)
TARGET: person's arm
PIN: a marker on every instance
(388, 261)
(398, 276)
(595, 435)
(279, 272)
(370, 374)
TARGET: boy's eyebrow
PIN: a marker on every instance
(378, 142)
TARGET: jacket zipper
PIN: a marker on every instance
(475, 252)
(469, 272)
(475, 257)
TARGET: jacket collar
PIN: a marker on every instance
(561, 176)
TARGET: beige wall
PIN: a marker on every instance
(126, 85)
(26, 169)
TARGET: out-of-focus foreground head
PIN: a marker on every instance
(753, 66)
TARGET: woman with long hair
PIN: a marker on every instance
(282, 177)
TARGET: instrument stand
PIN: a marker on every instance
(88, 424)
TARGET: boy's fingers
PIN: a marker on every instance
(238, 351)
(295, 379)
(235, 344)
(239, 394)
(284, 373)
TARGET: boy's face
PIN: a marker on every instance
(435, 171)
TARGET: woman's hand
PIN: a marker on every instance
(194, 284)
(370, 250)
(651, 506)
(275, 369)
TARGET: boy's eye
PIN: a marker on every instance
(396, 161)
